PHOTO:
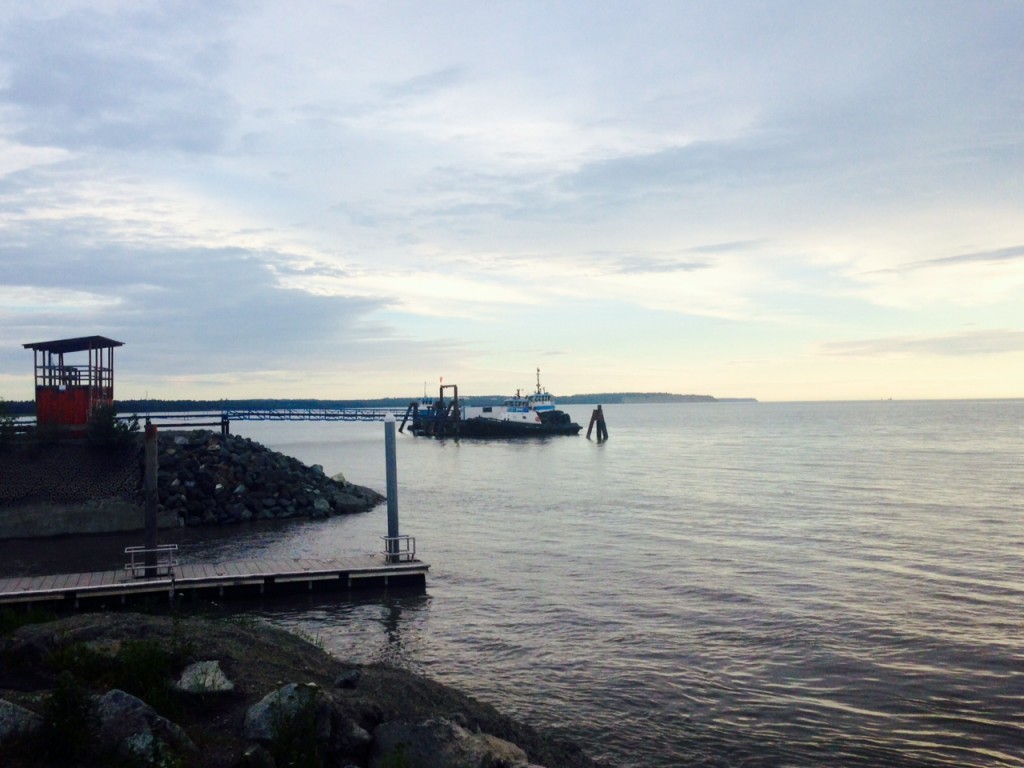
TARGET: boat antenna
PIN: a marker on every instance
(538, 382)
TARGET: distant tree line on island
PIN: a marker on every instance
(14, 408)
(629, 398)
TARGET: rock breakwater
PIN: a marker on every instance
(205, 478)
(208, 478)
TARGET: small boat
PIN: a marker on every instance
(531, 415)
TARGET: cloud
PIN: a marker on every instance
(424, 85)
(980, 279)
(701, 163)
(129, 80)
(975, 343)
(1000, 255)
(653, 264)
(185, 310)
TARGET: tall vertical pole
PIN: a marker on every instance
(149, 483)
(391, 459)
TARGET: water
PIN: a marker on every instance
(717, 585)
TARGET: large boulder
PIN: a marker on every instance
(204, 677)
(133, 729)
(16, 722)
(293, 707)
(441, 743)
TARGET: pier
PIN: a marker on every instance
(242, 578)
(223, 419)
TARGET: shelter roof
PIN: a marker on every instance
(79, 344)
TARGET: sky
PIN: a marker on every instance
(340, 200)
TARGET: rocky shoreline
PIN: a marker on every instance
(204, 478)
(140, 690)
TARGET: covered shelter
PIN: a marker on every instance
(68, 390)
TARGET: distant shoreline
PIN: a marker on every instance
(141, 407)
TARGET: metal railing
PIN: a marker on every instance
(165, 561)
(312, 414)
(399, 548)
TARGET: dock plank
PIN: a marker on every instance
(191, 576)
(33, 583)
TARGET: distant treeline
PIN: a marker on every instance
(17, 408)
(624, 398)
(142, 407)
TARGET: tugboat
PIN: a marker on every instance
(531, 415)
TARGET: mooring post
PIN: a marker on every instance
(149, 484)
(391, 460)
(597, 417)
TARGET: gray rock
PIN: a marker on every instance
(345, 503)
(440, 743)
(204, 677)
(282, 709)
(133, 729)
(350, 738)
(16, 722)
(348, 679)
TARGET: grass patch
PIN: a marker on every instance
(11, 619)
(295, 733)
(66, 737)
(144, 670)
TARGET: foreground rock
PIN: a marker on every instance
(440, 743)
(17, 723)
(130, 728)
(287, 708)
(96, 689)
(204, 678)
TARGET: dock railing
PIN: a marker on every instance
(166, 560)
(399, 549)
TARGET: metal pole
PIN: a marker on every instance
(391, 459)
(151, 498)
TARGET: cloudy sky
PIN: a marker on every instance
(781, 200)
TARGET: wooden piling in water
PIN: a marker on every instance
(597, 418)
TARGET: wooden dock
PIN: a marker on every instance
(243, 578)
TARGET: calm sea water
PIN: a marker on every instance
(717, 585)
